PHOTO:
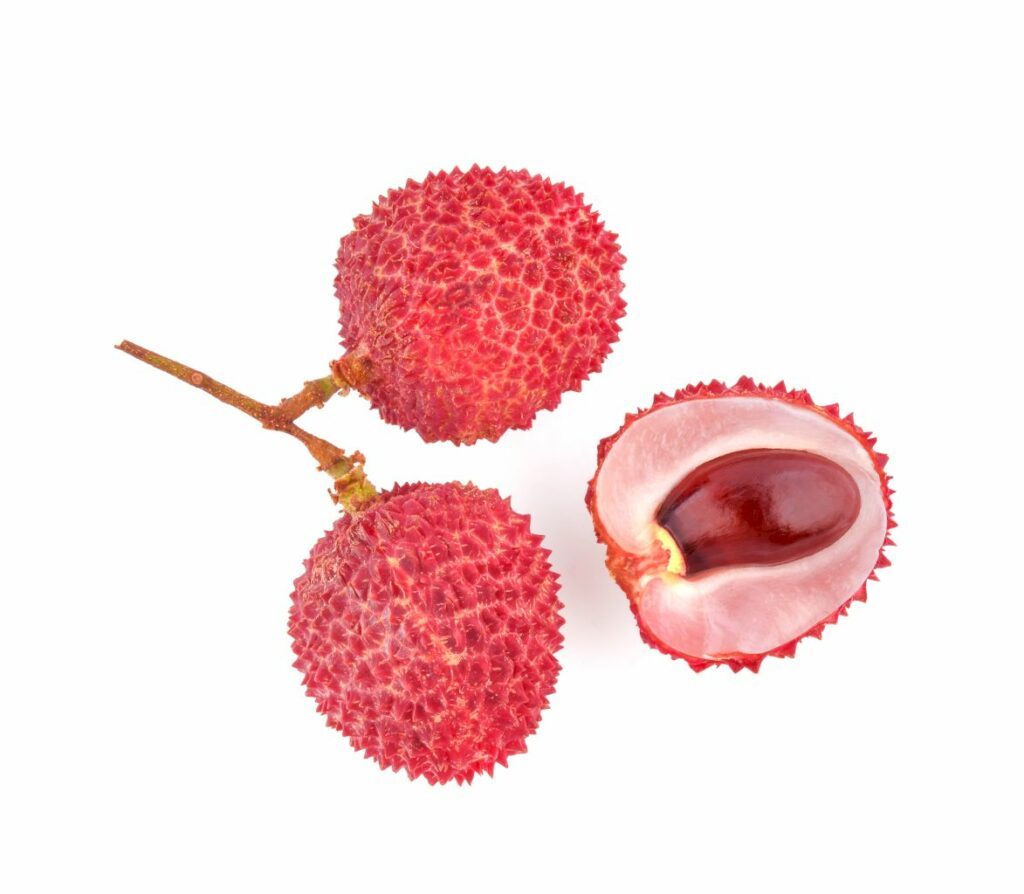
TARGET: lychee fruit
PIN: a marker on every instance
(740, 520)
(426, 627)
(474, 299)
(427, 620)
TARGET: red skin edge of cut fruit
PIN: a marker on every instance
(744, 387)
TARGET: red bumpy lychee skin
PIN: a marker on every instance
(472, 300)
(740, 519)
(426, 626)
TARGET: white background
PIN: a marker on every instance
(826, 193)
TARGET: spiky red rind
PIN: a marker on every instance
(426, 627)
(624, 567)
(472, 300)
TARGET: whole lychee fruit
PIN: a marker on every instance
(472, 300)
(740, 520)
(427, 620)
(426, 626)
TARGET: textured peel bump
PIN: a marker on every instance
(737, 615)
(474, 299)
(426, 627)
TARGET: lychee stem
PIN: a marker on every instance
(351, 488)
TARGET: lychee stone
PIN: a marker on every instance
(426, 627)
(474, 299)
(739, 520)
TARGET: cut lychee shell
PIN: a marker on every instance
(740, 519)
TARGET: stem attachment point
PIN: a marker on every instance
(351, 489)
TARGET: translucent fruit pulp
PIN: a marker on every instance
(759, 507)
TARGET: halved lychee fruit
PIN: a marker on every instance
(740, 520)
